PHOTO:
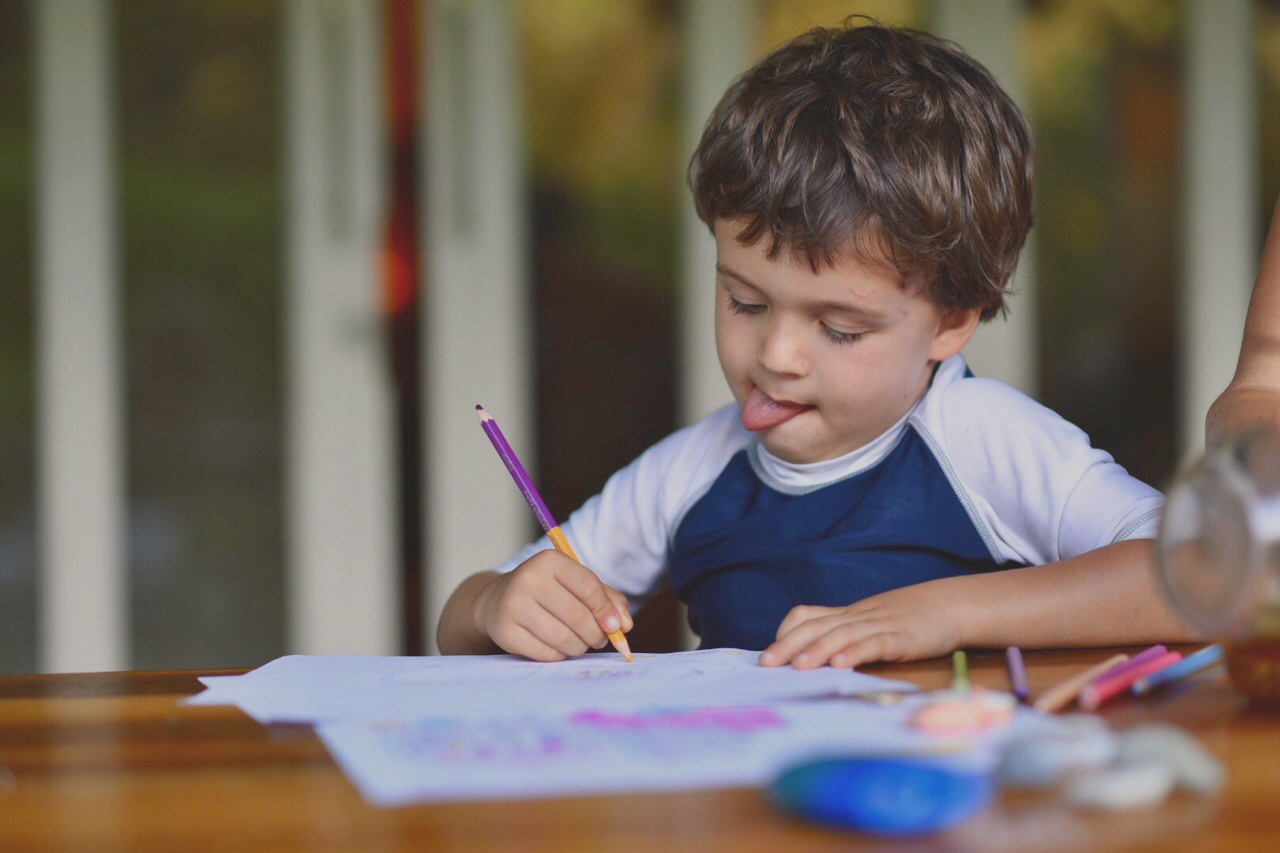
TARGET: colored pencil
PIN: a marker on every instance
(1064, 692)
(525, 483)
(1017, 672)
(959, 671)
(1140, 659)
(1201, 660)
(1110, 684)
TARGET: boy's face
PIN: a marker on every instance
(823, 363)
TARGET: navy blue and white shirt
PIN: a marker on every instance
(975, 477)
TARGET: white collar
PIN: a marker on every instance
(798, 478)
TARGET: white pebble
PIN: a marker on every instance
(1080, 742)
(1196, 770)
(1123, 787)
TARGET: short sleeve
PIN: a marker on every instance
(1036, 487)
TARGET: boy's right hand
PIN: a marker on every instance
(549, 608)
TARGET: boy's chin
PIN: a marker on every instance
(791, 448)
(801, 446)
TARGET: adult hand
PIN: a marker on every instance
(1241, 409)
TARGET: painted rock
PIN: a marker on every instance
(884, 796)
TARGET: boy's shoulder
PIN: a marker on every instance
(959, 404)
(996, 437)
(1030, 478)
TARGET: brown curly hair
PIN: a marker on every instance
(887, 144)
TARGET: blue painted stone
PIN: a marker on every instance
(884, 796)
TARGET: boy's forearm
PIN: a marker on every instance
(1106, 597)
(458, 633)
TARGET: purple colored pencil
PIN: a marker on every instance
(1138, 660)
(1017, 672)
(521, 476)
(531, 497)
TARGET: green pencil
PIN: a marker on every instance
(959, 672)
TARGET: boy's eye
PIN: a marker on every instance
(744, 307)
(841, 337)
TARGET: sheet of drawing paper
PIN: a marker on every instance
(599, 752)
(314, 689)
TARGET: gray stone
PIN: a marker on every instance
(1079, 742)
(1196, 770)
(1122, 787)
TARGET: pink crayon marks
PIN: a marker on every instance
(735, 720)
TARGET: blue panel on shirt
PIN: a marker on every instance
(745, 554)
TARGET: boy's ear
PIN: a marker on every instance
(954, 330)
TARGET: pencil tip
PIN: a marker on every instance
(620, 643)
(484, 416)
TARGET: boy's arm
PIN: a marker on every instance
(1253, 397)
(1106, 597)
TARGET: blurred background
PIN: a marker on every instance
(260, 258)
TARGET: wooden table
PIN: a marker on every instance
(92, 762)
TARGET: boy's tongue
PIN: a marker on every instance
(762, 411)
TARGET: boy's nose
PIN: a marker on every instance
(780, 350)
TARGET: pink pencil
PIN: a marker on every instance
(1111, 684)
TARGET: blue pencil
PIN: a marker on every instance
(1202, 659)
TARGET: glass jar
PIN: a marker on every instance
(1219, 556)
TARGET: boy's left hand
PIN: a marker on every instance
(910, 623)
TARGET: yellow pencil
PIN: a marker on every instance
(1064, 692)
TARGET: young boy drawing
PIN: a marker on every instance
(865, 498)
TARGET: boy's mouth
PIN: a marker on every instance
(761, 411)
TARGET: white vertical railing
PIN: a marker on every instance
(477, 309)
(1220, 198)
(342, 589)
(718, 39)
(988, 30)
(82, 582)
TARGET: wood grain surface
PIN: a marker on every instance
(110, 761)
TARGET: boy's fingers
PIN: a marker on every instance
(590, 590)
(819, 651)
(869, 649)
(789, 644)
(623, 606)
(566, 607)
(554, 633)
(801, 614)
(519, 640)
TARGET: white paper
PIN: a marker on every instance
(598, 752)
(316, 689)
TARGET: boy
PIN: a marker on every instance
(866, 498)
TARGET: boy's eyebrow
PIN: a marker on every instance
(850, 308)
